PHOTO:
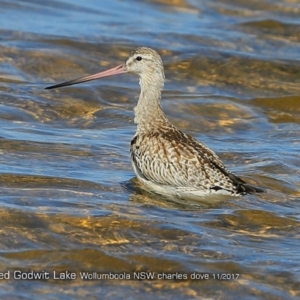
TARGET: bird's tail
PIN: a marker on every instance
(249, 189)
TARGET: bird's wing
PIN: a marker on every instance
(171, 157)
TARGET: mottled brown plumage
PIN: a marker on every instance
(182, 166)
(165, 159)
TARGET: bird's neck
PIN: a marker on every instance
(148, 112)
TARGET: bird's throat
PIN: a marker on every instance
(148, 112)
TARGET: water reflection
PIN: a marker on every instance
(68, 201)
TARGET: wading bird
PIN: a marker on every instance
(166, 160)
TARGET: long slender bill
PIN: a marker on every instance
(113, 71)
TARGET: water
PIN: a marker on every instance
(68, 202)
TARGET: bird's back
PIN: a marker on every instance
(169, 157)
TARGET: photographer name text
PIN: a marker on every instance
(68, 275)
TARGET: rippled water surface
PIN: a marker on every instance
(68, 199)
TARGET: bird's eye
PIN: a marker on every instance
(139, 58)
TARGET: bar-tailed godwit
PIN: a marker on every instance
(166, 160)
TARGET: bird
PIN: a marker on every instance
(166, 160)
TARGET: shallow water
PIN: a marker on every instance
(68, 202)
